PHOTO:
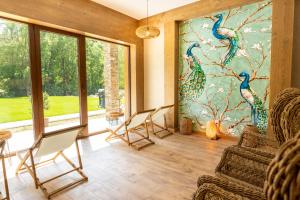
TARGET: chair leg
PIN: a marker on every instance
(152, 125)
(147, 130)
(33, 169)
(127, 136)
(5, 179)
(23, 160)
(78, 155)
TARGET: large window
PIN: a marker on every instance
(44, 85)
(15, 83)
(105, 64)
(59, 63)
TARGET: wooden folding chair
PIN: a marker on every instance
(158, 114)
(2, 157)
(133, 127)
(52, 143)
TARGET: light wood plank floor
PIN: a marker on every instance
(164, 171)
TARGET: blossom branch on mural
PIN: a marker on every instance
(254, 65)
(240, 121)
(231, 13)
(259, 64)
(250, 19)
(219, 112)
(227, 72)
(208, 41)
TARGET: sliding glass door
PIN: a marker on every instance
(60, 80)
(106, 64)
(15, 84)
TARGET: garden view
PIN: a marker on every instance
(59, 73)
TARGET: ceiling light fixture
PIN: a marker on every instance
(146, 31)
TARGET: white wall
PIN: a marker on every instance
(154, 71)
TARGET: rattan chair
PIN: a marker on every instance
(281, 101)
(283, 174)
(214, 188)
(53, 143)
(282, 179)
(253, 141)
(290, 119)
(242, 166)
(136, 125)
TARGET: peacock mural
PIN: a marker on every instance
(194, 84)
(258, 112)
(227, 34)
(224, 68)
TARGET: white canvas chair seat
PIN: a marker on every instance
(54, 143)
(133, 127)
(158, 114)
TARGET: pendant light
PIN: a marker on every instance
(146, 31)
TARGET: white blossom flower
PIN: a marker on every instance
(242, 52)
(205, 25)
(248, 30)
(221, 90)
(212, 85)
(256, 46)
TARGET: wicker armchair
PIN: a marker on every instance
(282, 182)
(213, 188)
(279, 105)
(253, 141)
(283, 175)
(242, 166)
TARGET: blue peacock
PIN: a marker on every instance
(258, 113)
(193, 86)
(222, 33)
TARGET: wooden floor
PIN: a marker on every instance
(164, 171)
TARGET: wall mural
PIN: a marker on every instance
(224, 68)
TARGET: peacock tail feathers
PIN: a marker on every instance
(261, 117)
(193, 86)
(233, 48)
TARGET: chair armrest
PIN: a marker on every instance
(252, 138)
(210, 187)
(243, 166)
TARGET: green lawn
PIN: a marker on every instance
(16, 109)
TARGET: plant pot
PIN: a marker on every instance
(186, 126)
